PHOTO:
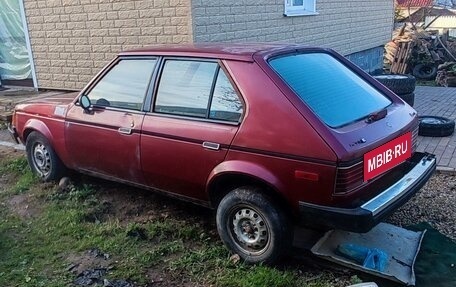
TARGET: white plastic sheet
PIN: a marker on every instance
(400, 244)
(14, 59)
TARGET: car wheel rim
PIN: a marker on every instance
(249, 230)
(434, 121)
(389, 77)
(41, 160)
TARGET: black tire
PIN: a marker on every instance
(253, 226)
(425, 71)
(42, 158)
(431, 126)
(399, 84)
(408, 98)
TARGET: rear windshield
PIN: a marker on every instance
(334, 92)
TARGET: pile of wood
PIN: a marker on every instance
(419, 52)
(398, 50)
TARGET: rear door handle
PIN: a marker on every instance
(124, 131)
(210, 145)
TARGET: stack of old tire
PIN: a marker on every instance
(402, 85)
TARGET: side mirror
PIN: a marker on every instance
(84, 101)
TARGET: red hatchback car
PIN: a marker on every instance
(270, 135)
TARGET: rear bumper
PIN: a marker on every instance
(13, 132)
(363, 218)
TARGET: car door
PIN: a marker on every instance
(196, 113)
(105, 139)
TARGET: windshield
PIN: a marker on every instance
(334, 92)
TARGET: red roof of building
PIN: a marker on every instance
(414, 3)
(421, 14)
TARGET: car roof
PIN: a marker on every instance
(231, 51)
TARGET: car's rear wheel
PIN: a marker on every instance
(254, 226)
(42, 158)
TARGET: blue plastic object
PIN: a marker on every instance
(371, 258)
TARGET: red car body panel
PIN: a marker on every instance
(177, 145)
(108, 151)
(279, 141)
(47, 116)
(276, 116)
(298, 148)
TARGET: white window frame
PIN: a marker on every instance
(309, 7)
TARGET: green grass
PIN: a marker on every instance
(16, 166)
(19, 168)
(34, 251)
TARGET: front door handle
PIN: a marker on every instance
(124, 131)
(211, 145)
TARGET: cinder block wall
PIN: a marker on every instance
(346, 26)
(72, 39)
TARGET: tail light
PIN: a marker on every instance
(349, 178)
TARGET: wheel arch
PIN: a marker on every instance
(38, 126)
(35, 125)
(230, 175)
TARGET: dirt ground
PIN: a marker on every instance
(126, 204)
(9, 153)
(121, 203)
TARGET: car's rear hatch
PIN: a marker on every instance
(371, 130)
(375, 151)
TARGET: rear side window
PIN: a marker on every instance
(197, 89)
(185, 87)
(225, 102)
(334, 92)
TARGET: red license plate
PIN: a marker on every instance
(387, 156)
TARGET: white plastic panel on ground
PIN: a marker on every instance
(401, 245)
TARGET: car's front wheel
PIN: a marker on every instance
(253, 226)
(42, 158)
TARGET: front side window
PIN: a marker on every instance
(335, 93)
(300, 7)
(125, 85)
(197, 89)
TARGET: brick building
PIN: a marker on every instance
(70, 40)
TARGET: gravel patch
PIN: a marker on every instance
(434, 204)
